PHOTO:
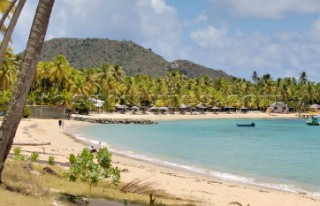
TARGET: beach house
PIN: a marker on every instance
(314, 108)
(278, 107)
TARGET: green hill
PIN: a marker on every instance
(134, 59)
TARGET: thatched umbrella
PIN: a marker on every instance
(171, 109)
(243, 109)
(123, 108)
(154, 109)
(201, 108)
(134, 109)
(228, 108)
(215, 109)
(182, 108)
(143, 109)
(163, 109)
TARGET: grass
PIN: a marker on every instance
(27, 183)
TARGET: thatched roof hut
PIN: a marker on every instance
(314, 108)
(278, 107)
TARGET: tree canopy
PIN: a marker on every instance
(59, 84)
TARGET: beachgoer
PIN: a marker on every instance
(92, 149)
(60, 123)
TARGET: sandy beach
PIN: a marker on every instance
(187, 186)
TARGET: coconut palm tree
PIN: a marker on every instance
(8, 33)
(7, 73)
(59, 71)
(303, 79)
(6, 7)
(42, 82)
(13, 115)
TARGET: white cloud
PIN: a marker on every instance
(240, 53)
(210, 36)
(202, 17)
(273, 9)
(151, 23)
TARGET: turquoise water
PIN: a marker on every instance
(277, 153)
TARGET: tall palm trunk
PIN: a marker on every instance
(9, 31)
(6, 13)
(31, 57)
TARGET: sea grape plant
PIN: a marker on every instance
(34, 157)
(91, 168)
(17, 154)
(51, 160)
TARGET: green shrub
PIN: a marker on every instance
(34, 157)
(26, 112)
(17, 154)
(51, 160)
(85, 168)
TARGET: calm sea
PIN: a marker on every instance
(278, 153)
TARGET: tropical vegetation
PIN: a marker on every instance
(58, 84)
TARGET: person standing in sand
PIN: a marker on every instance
(60, 123)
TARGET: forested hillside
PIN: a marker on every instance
(133, 58)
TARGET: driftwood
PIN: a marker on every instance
(31, 144)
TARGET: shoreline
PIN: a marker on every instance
(177, 116)
(201, 189)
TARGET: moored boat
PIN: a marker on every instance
(247, 125)
(313, 121)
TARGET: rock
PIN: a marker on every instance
(115, 121)
(50, 171)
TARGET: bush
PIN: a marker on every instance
(85, 168)
(51, 160)
(26, 112)
(17, 154)
(34, 157)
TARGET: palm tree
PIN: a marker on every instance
(60, 70)
(303, 79)
(6, 7)
(255, 77)
(7, 73)
(13, 115)
(80, 88)
(8, 33)
(117, 72)
(42, 81)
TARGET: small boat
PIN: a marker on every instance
(313, 121)
(247, 125)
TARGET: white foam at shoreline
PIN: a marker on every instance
(201, 171)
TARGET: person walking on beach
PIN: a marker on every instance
(60, 123)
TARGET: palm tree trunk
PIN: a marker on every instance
(5, 15)
(7, 35)
(31, 57)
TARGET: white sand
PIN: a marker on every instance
(201, 190)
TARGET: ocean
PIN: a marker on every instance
(277, 153)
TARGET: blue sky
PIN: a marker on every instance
(280, 37)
